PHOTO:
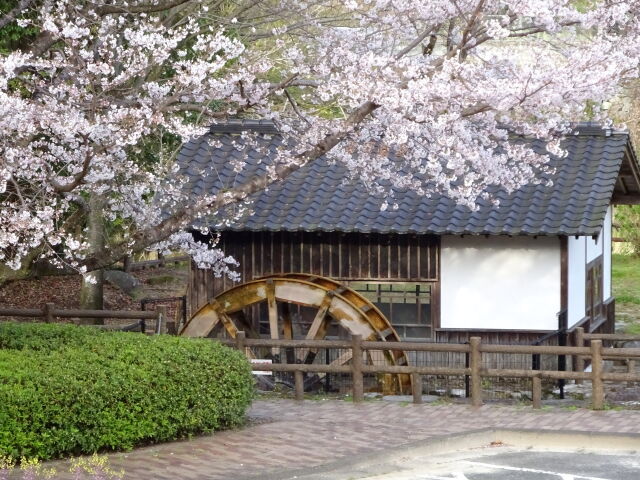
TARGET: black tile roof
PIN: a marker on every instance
(315, 198)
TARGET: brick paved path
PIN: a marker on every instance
(291, 435)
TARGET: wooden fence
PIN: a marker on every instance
(595, 353)
(176, 304)
(476, 372)
(48, 313)
(581, 339)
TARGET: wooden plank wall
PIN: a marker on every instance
(342, 256)
(494, 360)
(506, 337)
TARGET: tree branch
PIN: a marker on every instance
(416, 42)
(196, 107)
(469, 27)
(41, 44)
(294, 83)
(294, 105)
(78, 178)
(139, 8)
(17, 10)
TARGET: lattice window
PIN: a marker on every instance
(406, 305)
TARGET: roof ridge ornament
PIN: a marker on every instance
(239, 125)
(597, 129)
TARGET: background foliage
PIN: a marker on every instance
(627, 226)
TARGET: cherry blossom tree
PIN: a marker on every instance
(441, 83)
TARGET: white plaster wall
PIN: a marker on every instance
(606, 263)
(577, 252)
(500, 282)
(594, 247)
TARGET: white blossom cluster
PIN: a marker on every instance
(438, 86)
(503, 68)
(92, 101)
(204, 256)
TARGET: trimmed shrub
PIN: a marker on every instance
(44, 336)
(93, 390)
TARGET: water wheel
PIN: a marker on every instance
(331, 300)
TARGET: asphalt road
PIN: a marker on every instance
(521, 465)
(490, 462)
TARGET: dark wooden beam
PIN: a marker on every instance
(618, 199)
(436, 311)
(564, 273)
(632, 161)
(625, 190)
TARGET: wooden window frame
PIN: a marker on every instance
(594, 289)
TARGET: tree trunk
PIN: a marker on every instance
(92, 290)
(8, 275)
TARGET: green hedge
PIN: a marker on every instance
(44, 336)
(72, 390)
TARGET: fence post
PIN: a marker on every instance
(416, 387)
(597, 385)
(631, 369)
(536, 391)
(240, 342)
(171, 326)
(47, 312)
(184, 311)
(162, 317)
(356, 368)
(299, 380)
(579, 358)
(126, 263)
(475, 363)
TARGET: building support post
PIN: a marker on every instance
(579, 358)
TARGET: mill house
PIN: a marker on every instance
(537, 261)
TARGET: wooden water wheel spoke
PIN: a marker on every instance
(240, 319)
(273, 314)
(317, 330)
(229, 326)
(335, 304)
(318, 326)
(287, 332)
(232, 330)
(341, 360)
(287, 323)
